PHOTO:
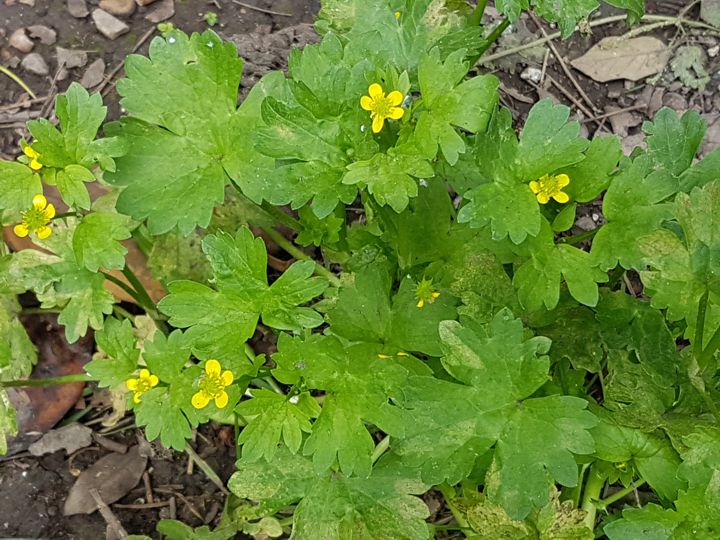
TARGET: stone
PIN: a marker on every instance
(78, 8)
(164, 10)
(20, 41)
(93, 74)
(109, 26)
(675, 101)
(45, 34)
(34, 63)
(531, 74)
(30, 3)
(122, 8)
(70, 58)
(144, 2)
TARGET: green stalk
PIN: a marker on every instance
(39, 311)
(604, 503)
(281, 217)
(700, 326)
(78, 377)
(143, 295)
(18, 80)
(477, 14)
(593, 488)
(577, 238)
(448, 494)
(293, 250)
(492, 38)
(380, 448)
(124, 286)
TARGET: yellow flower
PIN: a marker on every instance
(36, 219)
(550, 187)
(34, 164)
(382, 106)
(425, 293)
(397, 14)
(142, 384)
(212, 386)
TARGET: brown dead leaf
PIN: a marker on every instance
(632, 59)
(69, 438)
(113, 476)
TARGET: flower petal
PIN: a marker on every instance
(396, 113)
(227, 377)
(542, 198)
(21, 230)
(378, 123)
(421, 303)
(375, 91)
(144, 373)
(43, 232)
(39, 201)
(200, 400)
(212, 367)
(131, 384)
(435, 294)
(221, 401)
(49, 212)
(367, 103)
(562, 180)
(35, 165)
(535, 186)
(136, 397)
(154, 380)
(561, 197)
(395, 98)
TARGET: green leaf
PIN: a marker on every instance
(451, 103)
(96, 240)
(184, 142)
(534, 441)
(332, 506)
(166, 356)
(390, 177)
(358, 387)
(634, 206)
(120, 356)
(220, 321)
(18, 185)
(71, 183)
(272, 417)
(593, 175)
(635, 9)
(316, 231)
(672, 141)
(650, 522)
(80, 115)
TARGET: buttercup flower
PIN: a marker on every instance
(142, 384)
(35, 219)
(212, 386)
(425, 293)
(34, 164)
(550, 187)
(381, 106)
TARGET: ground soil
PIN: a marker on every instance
(32, 489)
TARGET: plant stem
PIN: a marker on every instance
(697, 345)
(593, 487)
(281, 217)
(380, 448)
(492, 38)
(448, 494)
(124, 286)
(124, 313)
(604, 503)
(712, 346)
(18, 80)
(38, 310)
(77, 377)
(477, 14)
(65, 214)
(293, 250)
(577, 238)
(143, 295)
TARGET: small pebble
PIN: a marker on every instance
(118, 7)
(45, 34)
(20, 41)
(78, 8)
(93, 74)
(531, 74)
(34, 63)
(144, 2)
(109, 26)
(713, 51)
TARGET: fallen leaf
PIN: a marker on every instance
(113, 476)
(689, 66)
(615, 58)
(70, 438)
(710, 12)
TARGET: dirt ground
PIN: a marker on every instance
(33, 489)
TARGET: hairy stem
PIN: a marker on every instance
(78, 377)
(281, 217)
(296, 252)
(604, 503)
(492, 38)
(143, 295)
(477, 14)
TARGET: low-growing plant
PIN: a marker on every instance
(442, 330)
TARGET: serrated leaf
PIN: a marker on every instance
(96, 240)
(534, 438)
(220, 321)
(593, 174)
(332, 506)
(117, 342)
(672, 141)
(316, 231)
(18, 185)
(71, 183)
(634, 206)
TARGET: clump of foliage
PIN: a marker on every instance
(444, 330)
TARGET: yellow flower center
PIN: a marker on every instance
(381, 106)
(425, 293)
(212, 384)
(143, 385)
(35, 218)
